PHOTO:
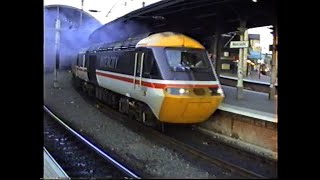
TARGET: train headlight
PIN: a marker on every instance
(220, 91)
(216, 91)
(177, 91)
(182, 91)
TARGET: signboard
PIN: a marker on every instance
(239, 44)
(254, 55)
(225, 66)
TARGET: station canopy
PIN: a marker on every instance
(195, 18)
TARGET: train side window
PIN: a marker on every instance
(112, 62)
(125, 61)
(86, 63)
(130, 62)
(109, 61)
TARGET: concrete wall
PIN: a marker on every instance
(259, 133)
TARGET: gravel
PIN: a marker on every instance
(151, 158)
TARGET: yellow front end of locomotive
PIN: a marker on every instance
(189, 107)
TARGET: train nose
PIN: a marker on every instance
(178, 109)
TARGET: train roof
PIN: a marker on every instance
(83, 50)
(169, 39)
(127, 44)
(164, 39)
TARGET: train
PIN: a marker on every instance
(154, 78)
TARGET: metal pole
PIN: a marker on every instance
(217, 45)
(242, 29)
(57, 48)
(274, 66)
(81, 12)
(245, 55)
(215, 51)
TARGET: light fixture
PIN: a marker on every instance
(158, 17)
(93, 10)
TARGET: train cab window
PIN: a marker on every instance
(155, 74)
(186, 59)
(174, 57)
(150, 67)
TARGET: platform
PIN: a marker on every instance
(253, 77)
(249, 123)
(254, 104)
(52, 169)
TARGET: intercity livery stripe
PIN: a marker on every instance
(155, 84)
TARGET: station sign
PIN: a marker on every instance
(239, 44)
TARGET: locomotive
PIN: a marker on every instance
(154, 78)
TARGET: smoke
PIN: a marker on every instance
(117, 31)
(72, 36)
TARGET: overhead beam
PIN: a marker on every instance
(190, 8)
(142, 11)
(207, 15)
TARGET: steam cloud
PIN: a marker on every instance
(73, 38)
(117, 31)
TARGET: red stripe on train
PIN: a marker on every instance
(156, 85)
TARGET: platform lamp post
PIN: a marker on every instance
(242, 30)
(57, 48)
(274, 65)
(245, 54)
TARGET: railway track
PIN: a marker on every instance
(229, 153)
(184, 148)
(229, 169)
(78, 156)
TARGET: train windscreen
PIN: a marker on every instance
(187, 59)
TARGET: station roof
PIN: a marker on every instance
(70, 17)
(196, 18)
